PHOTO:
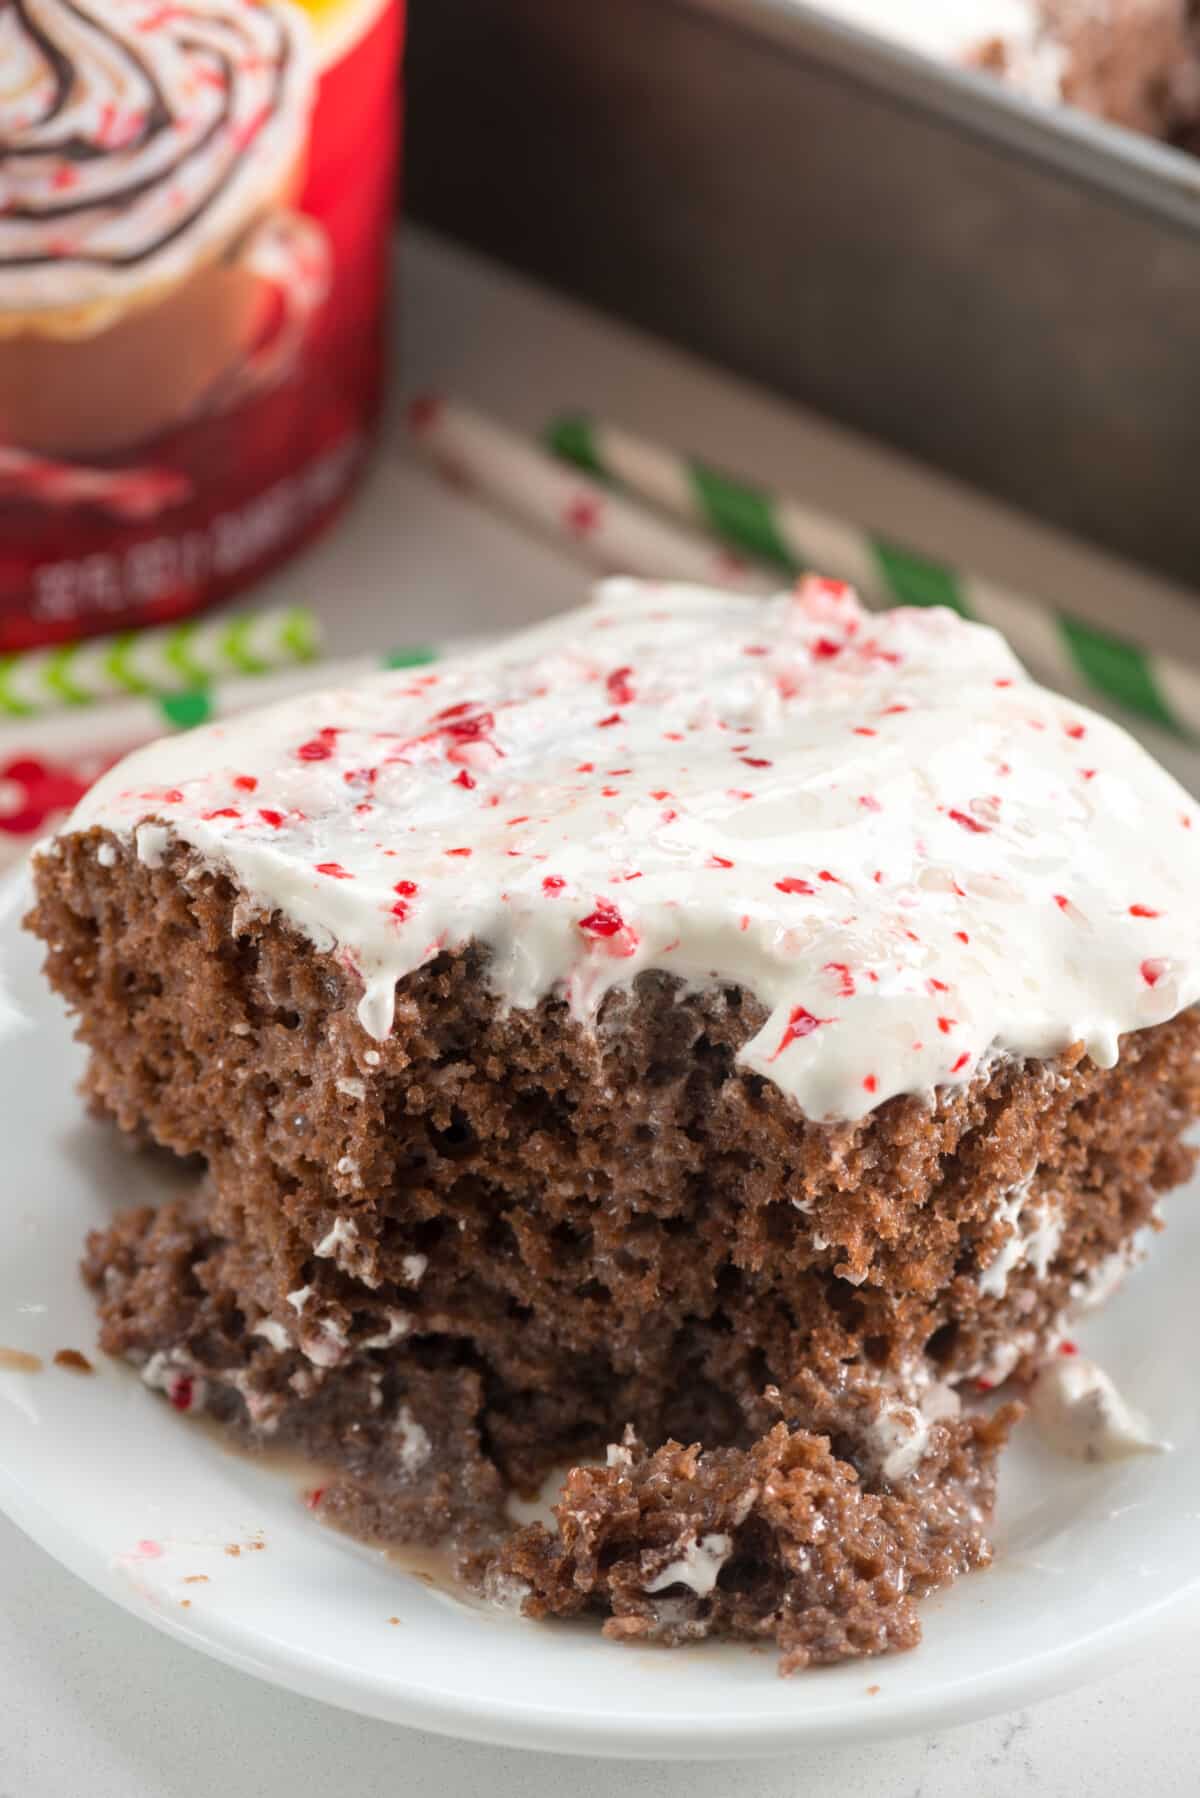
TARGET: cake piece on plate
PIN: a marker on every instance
(702, 1035)
(1135, 62)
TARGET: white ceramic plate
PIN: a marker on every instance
(146, 1507)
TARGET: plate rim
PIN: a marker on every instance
(396, 1698)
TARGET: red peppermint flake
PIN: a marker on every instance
(245, 783)
(864, 730)
(961, 1063)
(670, 815)
(468, 730)
(582, 516)
(755, 761)
(1062, 902)
(755, 649)
(660, 794)
(791, 883)
(313, 1497)
(718, 861)
(869, 802)
(463, 779)
(334, 870)
(607, 723)
(739, 793)
(1143, 911)
(458, 852)
(1075, 730)
(962, 936)
(400, 909)
(936, 986)
(274, 819)
(407, 889)
(1066, 1347)
(1153, 971)
(968, 823)
(830, 879)
(553, 883)
(844, 979)
(801, 1023)
(609, 792)
(523, 819)
(890, 711)
(946, 1025)
(1004, 683)
(616, 773)
(822, 586)
(618, 686)
(319, 748)
(870, 1084)
(605, 921)
(181, 1392)
(1185, 819)
(1087, 774)
(989, 1385)
(459, 710)
(824, 649)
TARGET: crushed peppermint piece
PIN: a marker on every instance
(892, 888)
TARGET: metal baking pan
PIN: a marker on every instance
(1008, 292)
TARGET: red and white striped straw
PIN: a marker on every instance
(610, 532)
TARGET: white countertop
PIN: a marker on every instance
(93, 1703)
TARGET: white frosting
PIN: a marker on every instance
(912, 856)
(1079, 1411)
(1035, 1231)
(697, 1567)
(951, 30)
(342, 1234)
(898, 1439)
(273, 1332)
(414, 1447)
(139, 139)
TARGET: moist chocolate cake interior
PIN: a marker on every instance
(498, 1242)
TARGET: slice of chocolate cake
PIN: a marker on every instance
(704, 1036)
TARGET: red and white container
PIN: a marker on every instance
(195, 207)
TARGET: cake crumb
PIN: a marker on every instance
(19, 1361)
(73, 1361)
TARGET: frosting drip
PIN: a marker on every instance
(134, 134)
(911, 855)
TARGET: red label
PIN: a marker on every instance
(191, 302)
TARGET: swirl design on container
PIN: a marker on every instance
(138, 137)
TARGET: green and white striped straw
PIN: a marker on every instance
(794, 538)
(100, 734)
(177, 658)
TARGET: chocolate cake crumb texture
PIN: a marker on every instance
(556, 1162)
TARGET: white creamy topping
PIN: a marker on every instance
(911, 855)
(951, 30)
(273, 1332)
(139, 138)
(415, 1447)
(697, 1567)
(1035, 1231)
(1080, 1413)
(343, 1234)
(898, 1438)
